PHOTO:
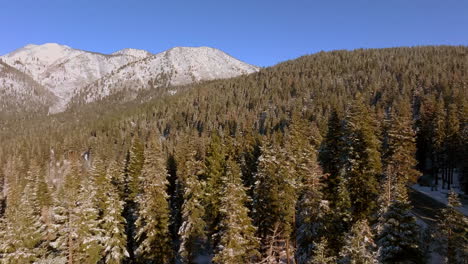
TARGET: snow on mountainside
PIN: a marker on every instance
(133, 52)
(177, 66)
(62, 70)
(68, 73)
(19, 92)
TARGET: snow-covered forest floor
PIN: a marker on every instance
(441, 195)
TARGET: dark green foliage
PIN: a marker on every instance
(359, 245)
(452, 235)
(275, 192)
(215, 169)
(419, 89)
(331, 155)
(192, 228)
(322, 253)
(362, 159)
(153, 237)
(236, 234)
(134, 167)
(399, 155)
(399, 239)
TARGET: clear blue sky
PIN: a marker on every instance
(256, 31)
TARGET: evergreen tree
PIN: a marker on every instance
(453, 142)
(44, 205)
(275, 192)
(98, 179)
(339, 217)
(215, 169)
(134, 167)
(453, 232)
(23, 231)
(437, 139)
(193, 225)
(112, 221)
(132, 176)
(400, 147)
(311, 209)
(238, 243)
(321, 253)
(275, 196)
(363, 164)
(248, 162)
(88, 231)
(331, 155)
(399, 160)
(398, 240)
(359, 245)
(65, 214)
(153, 237)
(76, 219)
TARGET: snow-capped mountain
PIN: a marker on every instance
(133, 52)
(66, 72)
(63, 70)
(177, 66)
(19, 92)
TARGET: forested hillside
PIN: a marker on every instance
(304, 162)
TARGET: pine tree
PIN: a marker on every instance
(275, 197)
(132, 177)
(359, 245)
(363, 164)
(398, 240)
(321, 253)
(331, 155)
(238, 243)
(23, 231)
(116, 173)
(275, 192)
(311, 208)
(64, 214)
(44, 205)
(400, 147)
(134, 167)
(453, 232)
(192, 229)
(76, 219)
(98, 178)
(112, 221)
(153, 237)
(89, 233)
(437, 139)
(453, 142)
(215, 169)
(399, 160)
(340, 217)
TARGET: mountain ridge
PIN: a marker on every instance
(69, 73)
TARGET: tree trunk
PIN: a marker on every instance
(449, 178)
(444, 180)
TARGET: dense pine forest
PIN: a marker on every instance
(309, 161)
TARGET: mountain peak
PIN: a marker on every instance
(138, 53)
(48, 53)
(68, 72)
(45, 46)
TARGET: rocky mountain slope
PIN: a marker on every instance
(68, 73)
(20, 92)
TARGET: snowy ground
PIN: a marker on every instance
(442, 194)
